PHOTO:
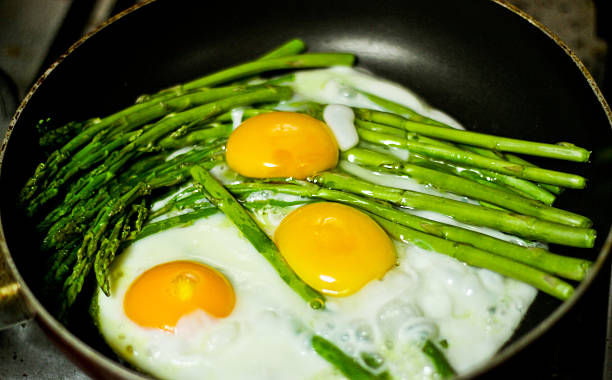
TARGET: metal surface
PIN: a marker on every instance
(28, 29)
(26, 352)
(53, 372)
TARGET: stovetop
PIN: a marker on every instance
(33, 33)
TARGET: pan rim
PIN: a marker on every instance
(61, 333)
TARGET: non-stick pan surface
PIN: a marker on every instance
(491, 69)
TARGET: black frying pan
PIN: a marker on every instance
(492, 70)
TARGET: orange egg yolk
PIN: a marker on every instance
(334, 248)
(281, 144)
(159, 297)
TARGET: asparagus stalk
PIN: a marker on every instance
(438, 359)
(85, 258)
(460, 156)
(110, 214)
(117, 159)
(262, 65)
(414, 116)
(344, 363)
(484, 177)
(60, 263)
(539, 258)
(560, 151)
(478, 258)
(467, 188)
(521, 225)
(175, 221)
(291, 47)
(401, 109)
(197, 210)
(60, 136)
(74, 223)
(247, 113)
(188, 199)
(109, 209)
(288, 62)
(521, 186)
(146, 170)
(106, 254)
(196, 137)
(125, 120)
(516, 159)
(221, 198)
(394, 131)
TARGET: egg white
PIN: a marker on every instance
(426, 296)
(260, 339)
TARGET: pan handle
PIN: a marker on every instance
(13, 305)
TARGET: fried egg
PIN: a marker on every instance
(224, 313)
(260, 338)
(281, 144)
(334, 248)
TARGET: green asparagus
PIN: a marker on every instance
(503, 144)
(468, 188)
(221, 198)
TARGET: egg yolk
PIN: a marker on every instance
(281, 144)
(334, 248)
(160, 296)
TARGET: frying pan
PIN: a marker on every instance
(483, 62)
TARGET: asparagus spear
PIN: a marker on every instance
(221, 198)
(503, 144)
(197, 210)
(124, 120)
(478, 258)
(117, 159)
(344, 363)
(258, 66)
(291, 47)
(196, 137)
(414, 116)
(175, 221)
(438, 359)
(539, 258)
(521, 225)
(60, 136)
(516, 159)
(59, 227)
(74, 223)
(521, 186)
(288, 62)
(460, 156)
(99, 249)
(106, 254)
(60, 263)
(401, 109)
(467, 188)
(275, 60)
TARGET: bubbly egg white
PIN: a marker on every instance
(426, 296)
(346, 85)
(261, 339)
